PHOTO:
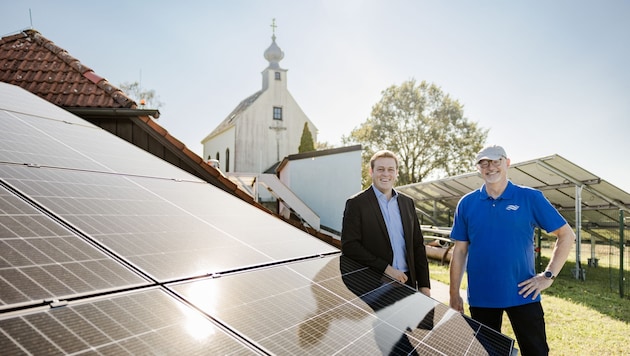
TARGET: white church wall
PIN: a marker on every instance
(221, 143)
(295, 123)
(259, 145)
(256, 142)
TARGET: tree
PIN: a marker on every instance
(424, 127)
(144, 98)
(306, 141)
(323, 146)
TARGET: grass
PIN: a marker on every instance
(582, 317)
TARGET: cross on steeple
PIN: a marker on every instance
(273, 27)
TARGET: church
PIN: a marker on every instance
(263, 128)
(257, 147)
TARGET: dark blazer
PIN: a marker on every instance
(364, 236)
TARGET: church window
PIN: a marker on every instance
(227, 160)
(278, 76)
(277, 113)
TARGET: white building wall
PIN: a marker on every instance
(251, 136)
(258, 146)
(324, 183)
(295, 119)
(220, 143)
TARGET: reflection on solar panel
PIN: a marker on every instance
(168, 229)
(107, 249)
(333, 305)
(146, 322)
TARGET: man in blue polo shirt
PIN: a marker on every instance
(494, 242)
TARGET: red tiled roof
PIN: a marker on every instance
(33, 62)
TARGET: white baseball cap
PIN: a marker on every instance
(491, 153)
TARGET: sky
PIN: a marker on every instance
(544, 77)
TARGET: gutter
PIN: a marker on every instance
(115, 112)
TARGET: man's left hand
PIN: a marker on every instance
(534, 286)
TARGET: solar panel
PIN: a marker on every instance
(40, 259)
(333, 305)
(142, 322)
(107, 249)
(77, 144)
(168, 229)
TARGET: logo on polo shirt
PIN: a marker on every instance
(512, 207)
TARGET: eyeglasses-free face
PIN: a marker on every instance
(485, 163)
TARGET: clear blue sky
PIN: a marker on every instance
(545, 77)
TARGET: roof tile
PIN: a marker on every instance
(92, 77)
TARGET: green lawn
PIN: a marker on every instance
(582, 317)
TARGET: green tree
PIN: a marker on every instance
(143, 98)
(424, 127)
(306, 141)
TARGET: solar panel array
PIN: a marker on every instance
(106, 249)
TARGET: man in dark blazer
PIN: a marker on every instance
(381, 229)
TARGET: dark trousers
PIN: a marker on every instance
(527, 321)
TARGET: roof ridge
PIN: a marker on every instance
(114, 92)
(13, 37)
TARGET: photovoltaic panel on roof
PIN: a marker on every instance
(44, 141)
(40, 259)
(333, 305)
(140, 323)
(168, 229)
(17, 100)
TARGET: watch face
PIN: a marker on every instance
(548, 274)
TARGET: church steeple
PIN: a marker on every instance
(273, 75)
(274, 54)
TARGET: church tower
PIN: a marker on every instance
(264, 128)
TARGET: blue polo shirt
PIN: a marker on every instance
(500, 233)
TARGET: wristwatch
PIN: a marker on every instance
(549, 275)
